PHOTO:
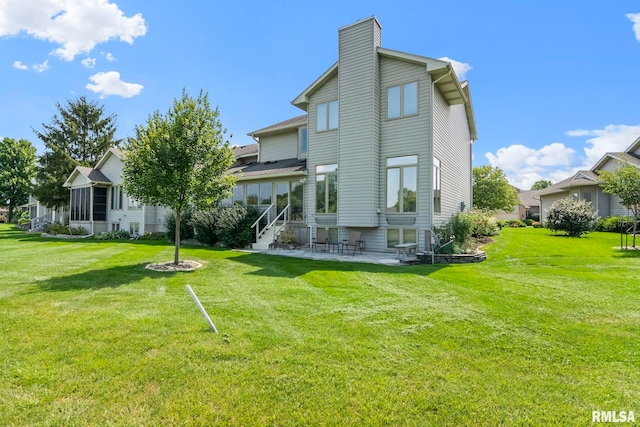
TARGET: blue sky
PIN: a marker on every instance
(554, 84)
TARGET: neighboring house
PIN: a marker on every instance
(4, 214)
(40, 216)
(98, 202)
(585, 185)
(384, 149)
(528, 207)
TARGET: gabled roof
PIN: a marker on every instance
(529, 198)
(579, 179)
(92, 175)
(621, 157)
(111, 151)
(281, 127)
(245, 151)
(633, 147)
(442, 75)
(270, 169)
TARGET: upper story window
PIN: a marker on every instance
(437, 186)
(402, 184)
(327, 188)
(303, 137)
(116, 197)
(327, 117)
(402, 100)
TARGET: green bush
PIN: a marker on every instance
(459, 226)
(156, 235)
(528, 222)
(534, 217)
(186, 229)
(24, 218)
(483, 223)
(57, 228)
(570, 216)
(234, 224)
(112, 235)
(288, 236)
(205, 226)
(611, 224)
(515, 223)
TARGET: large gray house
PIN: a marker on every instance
(585, 184)
(383, 148)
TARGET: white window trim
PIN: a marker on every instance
(401, 167)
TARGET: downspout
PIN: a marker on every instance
(433, 87)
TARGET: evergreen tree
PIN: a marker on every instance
(77, 136)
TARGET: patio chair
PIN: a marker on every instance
(353, 240)
(321, 239)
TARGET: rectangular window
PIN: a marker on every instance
(398, 236)
(282, 197)
(437, 181)
(586, 196)
(134, 228)
(402, 184)
(402, 100)
(265, 193)
(297, 200)
(253, 191)
(99, 204)
(238, 195)
(81, 204)
(327, 116)
(327, 188)
(115, 226)
(116, 197)
(302, 135)
(134, 203)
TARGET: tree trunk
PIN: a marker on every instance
(177, 251)
(635, 228)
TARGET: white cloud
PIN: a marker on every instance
(610, 139)
(460, 68)
(635, 18)
(89, 62)
(76, 25)
(524, 165)
(109, 57)
(109, 83)
(20, 66)
(41, 67)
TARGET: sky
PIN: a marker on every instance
(555, 85)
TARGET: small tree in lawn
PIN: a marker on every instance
(491, 190)
(571, 216)
(180, 159)
(625, 183)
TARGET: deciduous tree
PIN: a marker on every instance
(17, 169)
(77, 136)
(492, 191)
(541, 184)
(624, 182)
(180, 159)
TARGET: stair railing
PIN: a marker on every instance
(256, 224)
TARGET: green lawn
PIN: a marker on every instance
(543, 332)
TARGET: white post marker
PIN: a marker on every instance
(202, 310)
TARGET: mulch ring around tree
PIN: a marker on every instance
(184, 265)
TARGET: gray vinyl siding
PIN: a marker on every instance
(452, 145)
(322, 147)
(547, 201)
(279, 147)
(403, 137)
(112, 169)
(155, 218)
(603, 203)
(358, 152)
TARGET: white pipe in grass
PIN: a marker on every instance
(202, 310)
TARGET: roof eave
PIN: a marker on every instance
(302, 101)
(270, 175)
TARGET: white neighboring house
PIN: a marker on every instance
(585, 185)
(40, 215)
(98, 202)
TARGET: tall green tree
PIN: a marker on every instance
(541, 184)
(492, 191)
(180, 159)
(624, 182)
(77, 136)
(17, 169)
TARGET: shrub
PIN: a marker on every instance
(459, 226)
(186, 229)
(156, 235)
(611, 224)
(234, 224)
(205, 226)
(78, 231)
(288, 236)
(483, 223)
(528, 222)
(570, 216)
(112, 235)
(514, 223)
(534, 216)
(24, 218)
(56, 228)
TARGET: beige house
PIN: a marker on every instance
(585, 185)
(384, 149)
(98, 202)
(528, 206)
